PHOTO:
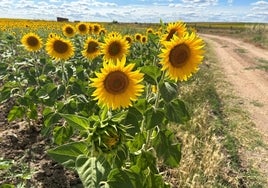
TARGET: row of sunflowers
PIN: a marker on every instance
(106, 98)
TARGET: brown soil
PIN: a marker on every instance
(241, 62)
(26, 147)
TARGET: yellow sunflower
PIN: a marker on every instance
(128, 38)
(91, 48)
(143, 39)
(59, 48)
(178, 28)
(96, 28)
(82, 28)
(32, 42)
(138, 37)
(117, 85)
(114, 48)
(68, 30)
(181, 56)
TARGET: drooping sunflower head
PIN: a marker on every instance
(114, 48)
(176, 28)
(181, 56)
(128, 38)
(91, 48)
(68, 30)
(32, 42)
(117, 85)
(82, 28)
(59, 48)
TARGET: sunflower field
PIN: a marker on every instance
(106, 98)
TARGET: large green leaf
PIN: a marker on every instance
(176, 111)
(66, 154)
(154, 117)
(152, 73)
(91, 170)
(130, 178)
(62, 134)
(78, 122)
(168, 91)
(167, 149)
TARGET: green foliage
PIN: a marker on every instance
(107, 148)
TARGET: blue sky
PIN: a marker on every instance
(139, 10)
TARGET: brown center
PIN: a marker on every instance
(116, 82)
(82, 27)
(96, 29)
(60, 46)
(32, 41)
(170, 34)
(69, 30)
(179, 55)
(92, 47)
(114, 48)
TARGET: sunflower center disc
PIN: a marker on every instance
(32, 41)
(82, 28)
(69, 30)
(179, 55)
(116, 82)
(114, 49)
(92, 47)
(60, 46)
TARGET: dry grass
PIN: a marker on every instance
(220, 140)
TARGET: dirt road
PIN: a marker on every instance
(241, 63)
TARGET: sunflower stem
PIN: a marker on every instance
(64, 79)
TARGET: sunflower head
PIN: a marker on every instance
(143, 39)
(181, 56)
(149, 30)
(96, 28)
(138, 37)
(117, 85)
(68, 30)
(82, 28)
(114, 48)
(91, 48)
(177, 28)
(32, 42)
(128, 38)
(59, 48)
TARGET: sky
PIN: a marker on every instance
(150, 11)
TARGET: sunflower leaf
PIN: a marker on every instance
(152, 73)
(168, 91)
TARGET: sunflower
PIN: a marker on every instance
(128, 38)
(32, 42)
(181, 56)
(143, 39)
(96, 28)
(82, 28)
(91, 48)
(114, 48)
(178, 28)
(138, 37)
(59, 48)
(68, 30)
(117, 85)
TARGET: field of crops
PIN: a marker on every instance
(105, 98)
(117, 105)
